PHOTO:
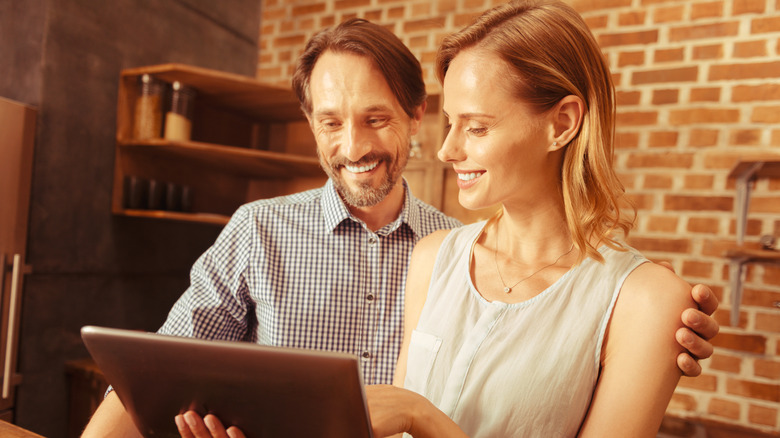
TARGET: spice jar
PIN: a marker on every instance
(148, 108)
(178, 119)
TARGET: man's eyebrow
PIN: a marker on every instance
(329, 112)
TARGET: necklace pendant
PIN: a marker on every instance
(507, 289)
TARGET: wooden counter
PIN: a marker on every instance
(8, 430)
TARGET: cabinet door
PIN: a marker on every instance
(17, 130)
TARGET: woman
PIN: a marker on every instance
(540, 321)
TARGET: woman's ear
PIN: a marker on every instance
(566, 120)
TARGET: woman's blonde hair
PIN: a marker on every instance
(553, 54)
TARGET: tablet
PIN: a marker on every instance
(265, 391)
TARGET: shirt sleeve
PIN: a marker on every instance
(217, 304)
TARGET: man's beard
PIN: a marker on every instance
(365, 195)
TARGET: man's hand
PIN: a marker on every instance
(191, 425)
(700, 328)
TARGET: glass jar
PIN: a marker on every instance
(178, 119)
(147, 121)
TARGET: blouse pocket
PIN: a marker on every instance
(423, 348)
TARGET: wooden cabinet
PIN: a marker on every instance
(745, 173)
(249, 141)
(17, 133)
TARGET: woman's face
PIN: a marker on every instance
(497, 144)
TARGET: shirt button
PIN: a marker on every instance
(366, 355)
(370, 297)
(372, 241)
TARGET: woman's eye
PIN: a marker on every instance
(477, 131)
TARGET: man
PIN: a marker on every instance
(325, 269)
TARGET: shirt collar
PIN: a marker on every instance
(335, 211)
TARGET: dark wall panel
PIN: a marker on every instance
(90, 267)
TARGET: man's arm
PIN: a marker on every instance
(112, 420)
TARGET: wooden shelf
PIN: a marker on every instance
(754, 255)
(241, 161)
(206, 218)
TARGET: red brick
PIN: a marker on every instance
(764, 25)
(628, 38)
(749, 7)
(668, 14)
(462, 20)
(658, 181)
(698, 203)
(710, 51)
(763, 204)
(703, 137)
(766, 114)
(626, 140)
(396, 12)
(763, 415)
(596, 21)
(756, 390)
(703, 225)
(759, 297)
(341, 5)
(314, 8)
(707, 10)
(292, 40)
(664, 224)
(753, 70)
(709, 94)
(722, 362)
(663, 139)
(704, 382)
(705, 182)
(682, 402)
(666, 159)
(696, 269)
(640, 201)
(703, 115)
(624, 98)
(595, 5)
(632, 18)
(633, 118)
(749, 93)
(772, 275)
(752, 228)
(766, 368)
(631, 58)
(767, 322)
(676, 75)
(713, 30)
(424, 25)
(750, 49)
(660, 245)
(669, 55)
(661, 97)
(724, 408)
(747, 343)
(745, 137)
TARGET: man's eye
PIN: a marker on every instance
(330, 124)
(477, 131)
(376, 121)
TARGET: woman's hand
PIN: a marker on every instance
(395, 410)
(191, 425)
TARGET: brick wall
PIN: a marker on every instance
(698, 86)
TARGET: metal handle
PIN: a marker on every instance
(9, 341)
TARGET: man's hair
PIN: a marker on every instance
(551, 54)
(398, 65)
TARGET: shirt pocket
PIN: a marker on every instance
(423, 348)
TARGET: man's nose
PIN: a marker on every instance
(357, 142)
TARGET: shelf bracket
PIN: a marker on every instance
(736, 277)
(743, 199)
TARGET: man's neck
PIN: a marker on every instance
(381, 214)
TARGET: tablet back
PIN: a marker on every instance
(265, 391)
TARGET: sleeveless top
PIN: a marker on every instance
(513, 370)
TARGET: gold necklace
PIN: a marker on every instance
(508, 289)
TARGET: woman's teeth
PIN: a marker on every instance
(361, 169)
(468, 176)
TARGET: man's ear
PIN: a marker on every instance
(567, 118)
(417, 116)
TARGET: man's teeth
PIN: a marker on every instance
(468, 176)
(361, 169)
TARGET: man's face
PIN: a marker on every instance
(363, 134)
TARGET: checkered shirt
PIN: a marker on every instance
(300, 271)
